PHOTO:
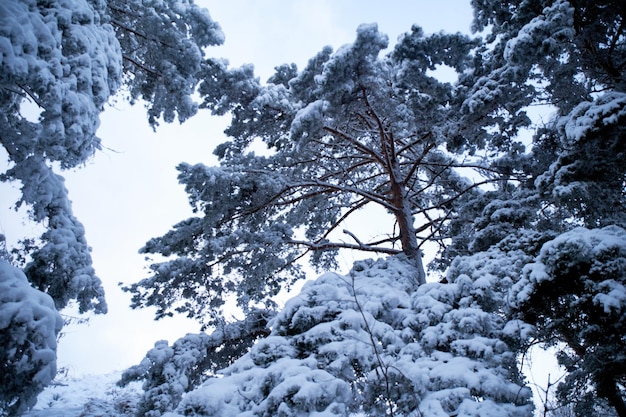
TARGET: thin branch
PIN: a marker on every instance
(368, 329)
(386, 141)
(456, 196)
(355, 143)
(374, 198)
(390, 239)
(416, 164)
(139, 34)
(31, 95)
(432, 181)
(342, 245)
(353, 236)
(141, 66)
(357, 205)
(415, 142)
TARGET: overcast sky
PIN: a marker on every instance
(128, 193)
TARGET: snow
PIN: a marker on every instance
(89, 396)
(331, 345)
(29, 325)
(614, 298)
(580, 246)
(544, 34)
(387, 307)
(309, 120)
(605, 110)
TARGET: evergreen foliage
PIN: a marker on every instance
(569, 55)
(575, 293)
(516, 261)
(352, 130)
(565, 55)
(170, 371)
(29, 325)
(371, 343)
(533, 246)
(68, 59)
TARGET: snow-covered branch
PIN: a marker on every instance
(325, 246)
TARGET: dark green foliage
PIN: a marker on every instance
(575, 294)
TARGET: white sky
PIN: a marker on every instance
(129, 193)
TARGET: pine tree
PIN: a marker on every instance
(537, 257)
(351, 130)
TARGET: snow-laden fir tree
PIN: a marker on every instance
(575, 293)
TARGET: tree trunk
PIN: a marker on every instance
(614, 397)
(398, 193)
(408, 238)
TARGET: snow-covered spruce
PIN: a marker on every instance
(370, 343)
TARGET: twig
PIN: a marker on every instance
(383, 367)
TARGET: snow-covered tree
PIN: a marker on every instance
(169, 372)
(575, 293)
(64, 58)
(29, 325)
(162, 45)
(572, 57)
(568, 57)
(340, 134)
(68, 58)
(368, 343)
(351, 130)
(589, 306)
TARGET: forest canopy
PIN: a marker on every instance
(527, 218)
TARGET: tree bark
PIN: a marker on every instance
(408, 238)
(402, 207)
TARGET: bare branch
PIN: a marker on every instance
(349, 233)
(356, 143)
(343, 245)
